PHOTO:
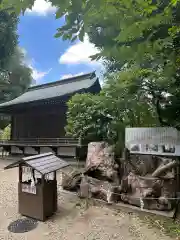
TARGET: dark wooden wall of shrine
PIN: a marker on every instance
(40, 122)
(42, 119)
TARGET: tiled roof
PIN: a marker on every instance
(43, 163)
(54, 89)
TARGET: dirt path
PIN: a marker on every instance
(72, 220)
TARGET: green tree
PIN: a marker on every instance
(104, 116)
(19, 76)
(141, 35)
(6, 133)
(8, 38)
(127, 100)
(88, 117)
(15, 75)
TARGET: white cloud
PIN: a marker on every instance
(42, 8)
(79, 53)
(71, 75)
(38, 75)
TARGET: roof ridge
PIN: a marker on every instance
(62, 81)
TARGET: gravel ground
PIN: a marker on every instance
(73, 219)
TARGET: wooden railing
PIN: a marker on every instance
(42, 141)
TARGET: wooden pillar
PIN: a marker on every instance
(12, 128)
(55, 150)
(55, 193)
(42, 180)
(20, 173)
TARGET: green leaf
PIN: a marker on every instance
(58, 34)
(59, 13)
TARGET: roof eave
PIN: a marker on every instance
(6, 108)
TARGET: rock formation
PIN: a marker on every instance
(141, 180)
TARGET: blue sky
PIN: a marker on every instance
(52, 59)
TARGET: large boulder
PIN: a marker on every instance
(100, 162)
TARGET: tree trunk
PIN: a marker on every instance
(163, 169)
(100, 162)
(92, 187)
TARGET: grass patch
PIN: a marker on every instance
(165, 225)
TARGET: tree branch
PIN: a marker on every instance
(163, 169)
(156, 103)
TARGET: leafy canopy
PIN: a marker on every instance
(8, 37)
(88, 117)
(104, 116)
(15, 75)
(19, 75)
(140, 38)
